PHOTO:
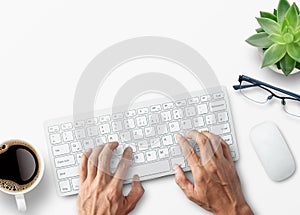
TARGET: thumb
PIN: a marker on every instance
(135, 194)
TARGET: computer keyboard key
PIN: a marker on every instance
(143, 145)
(180, 103)
(186, 124)
(67, 126)
(80, 134)
(202, 109)
(155, 108)
(100, 140)
(151, 156)
(104, 129)
(174, 126)
(76, 146)
(78, 157)
(217, 105)
(79, 124)
(190, 111)
(148, 169)
(166, 116)
(130, 113)
(60, 149)
(177, 114)
(64, 161)
(137, 134)
(154, 142)
(53, 129)
(67, 136)
(222, 117)
(149, 131)
(210, 119)
(153, 119)
(138, 158)
(117, 126)
(55, 138)
(168, 106)
(65, 186)
(175, 151)
(75, 183)
(67, 172)
(125, 136)
(167, 140)
(92, 121)
(162, 129)
(142, 111)
(205, 98)
(88, 144)
(179, 161)
(218, 95)
(105, 118)
(194, 100)
(163, 153)
(220, 129)
(116, 116)
(129, 124)
(141, 121)
(198, 121)
(92, 131)
(227, 139)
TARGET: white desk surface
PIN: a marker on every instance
(45, 46)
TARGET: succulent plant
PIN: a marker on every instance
(279, 37)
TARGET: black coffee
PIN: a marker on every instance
(19, 166)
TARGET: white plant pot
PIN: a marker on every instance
(274, 67)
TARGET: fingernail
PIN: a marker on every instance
(178, 137)
(136, 178)
(176, 168)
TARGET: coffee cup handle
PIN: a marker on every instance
(21, 204)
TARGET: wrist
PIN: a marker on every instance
(237, 210)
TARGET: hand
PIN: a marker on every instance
(101, 191)
(216, 185)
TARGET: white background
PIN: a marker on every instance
(45, 46)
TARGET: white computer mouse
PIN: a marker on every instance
(272, 151)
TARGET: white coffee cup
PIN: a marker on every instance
(22, 190)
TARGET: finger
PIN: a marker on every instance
(93, 162)
(226, 151)
(135, 194)
(83, 166)
(216, 143)
(183, 182)
(206, 151)
(105, 157)
(123, 168)
(188, 152)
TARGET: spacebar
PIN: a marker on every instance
(149, 169)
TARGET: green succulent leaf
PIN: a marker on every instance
(283, 7)
(287, 64)
(260, 40)
(292, 16)
(259, 30)
(298, 65)
(268, 15)
(297, 8)
(297, 36)
(293, 49)
(269, 25)
(276, 38)
(275, 12)
(284, 26)
(273, 54)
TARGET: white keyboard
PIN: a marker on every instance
(149, 129)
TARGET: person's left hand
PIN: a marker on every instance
(101, 191)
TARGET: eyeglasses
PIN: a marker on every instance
(260, 92)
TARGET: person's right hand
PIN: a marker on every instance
(216, 185)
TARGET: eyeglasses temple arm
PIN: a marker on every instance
(238, 87)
